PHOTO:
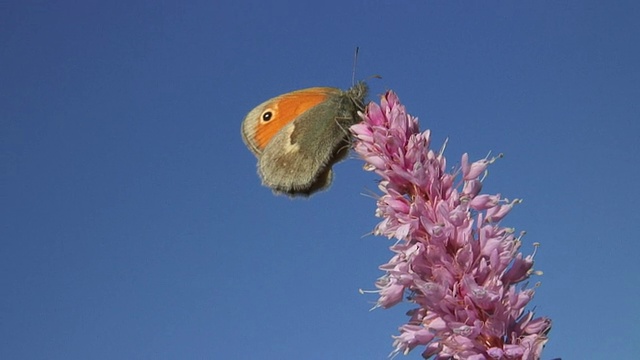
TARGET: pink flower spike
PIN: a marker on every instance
(451, 258)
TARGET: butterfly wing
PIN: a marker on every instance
(266, 120)
(302, 135)
(298, 160)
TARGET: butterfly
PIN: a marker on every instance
(298, 136)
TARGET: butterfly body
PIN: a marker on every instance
(298, 136)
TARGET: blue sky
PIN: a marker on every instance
(133, 224)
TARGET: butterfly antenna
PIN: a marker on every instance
(355, 63)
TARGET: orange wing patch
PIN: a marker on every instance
(285, 109)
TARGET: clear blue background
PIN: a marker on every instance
(133, 225)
